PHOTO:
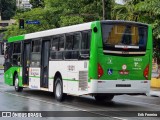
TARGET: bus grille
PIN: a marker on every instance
(83, 80)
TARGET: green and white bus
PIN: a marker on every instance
(100, 58)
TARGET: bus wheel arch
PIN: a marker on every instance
(58, 87)
(16, 82)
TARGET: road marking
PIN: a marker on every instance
(136, 102)
(62, 105)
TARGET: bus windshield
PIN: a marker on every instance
(119, 37)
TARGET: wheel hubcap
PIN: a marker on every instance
(58, 90)
(16, 83)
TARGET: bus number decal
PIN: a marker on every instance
(138, 59)
(137, 63)
(71, 67)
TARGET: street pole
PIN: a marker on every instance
(103, 6)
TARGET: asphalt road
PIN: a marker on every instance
(118, 109)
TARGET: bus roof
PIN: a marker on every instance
(55, 31)
(67, 29)
(123, 21)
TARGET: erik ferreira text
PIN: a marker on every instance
(147, 114)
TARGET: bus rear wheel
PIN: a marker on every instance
(16, 84)
(58, 91)
(102, 98)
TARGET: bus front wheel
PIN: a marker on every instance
(58, 91)
(16, 84)
(100, 98)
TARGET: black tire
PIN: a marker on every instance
(103, 98)
(16, 84)
(58, 90)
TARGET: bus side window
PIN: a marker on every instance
(57, 47)
(36, 46)
(8, 56)
(69, 42)
(16, 54)
(85, 40)
(85, 43)
(61, 44)
(17, 48)
(55, 43)
(69, 45)
(36, 53)
(76, 41)
(72, 45)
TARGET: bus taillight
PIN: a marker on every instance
(146, 72)
(100, 71)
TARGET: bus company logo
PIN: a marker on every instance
(109, 61)
(6, 114)
(124, 67)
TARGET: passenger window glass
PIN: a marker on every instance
(36, 45)
(69, 42)
(36, 53)
(16, 57)
(17, 48)
(57, 47)
(55, 44)
(61, 43)
(76, 41)
(86, 38)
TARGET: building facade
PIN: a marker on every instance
(23, 4)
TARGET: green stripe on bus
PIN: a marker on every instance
(16, 38)
(71, 80)
(34, 76)
(52, 78)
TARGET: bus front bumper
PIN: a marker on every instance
(120, 86)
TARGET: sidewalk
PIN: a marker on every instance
(155, 92)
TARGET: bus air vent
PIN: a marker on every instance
(83, 80)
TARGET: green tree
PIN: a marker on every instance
(84, 11)
(7, 9)
(58, 13)
(127, 11)
(150, 14)
(37, 3)
(46, 18)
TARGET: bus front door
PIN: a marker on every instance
(45, 63)
(26, 63)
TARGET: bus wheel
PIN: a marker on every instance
(16, 84)
(58, 91)
(102, 98)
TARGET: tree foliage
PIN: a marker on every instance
(127, 11)
(58, 13)
(146, 11)
(7, 9)
(37, 3)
